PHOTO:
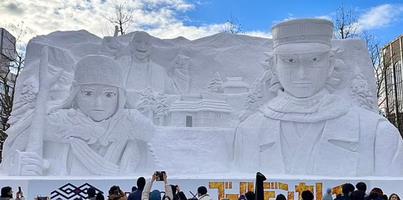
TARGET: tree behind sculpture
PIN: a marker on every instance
(9, 72)
(232, 26)
(122, 18)
(346, 25)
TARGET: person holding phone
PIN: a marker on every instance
(155, 194)
(7, 194)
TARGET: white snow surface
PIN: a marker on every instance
(197, 152)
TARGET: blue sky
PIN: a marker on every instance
(260, 15)
(193, 18)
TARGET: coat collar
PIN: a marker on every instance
(322, 106)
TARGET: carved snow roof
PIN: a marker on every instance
(200, 105)
(235, 82)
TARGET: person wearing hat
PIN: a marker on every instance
(307, 129)
(91, 133)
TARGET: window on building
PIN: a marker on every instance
(219, 115)
(189, 121)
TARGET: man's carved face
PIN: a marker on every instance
(99, 102)
(141, 46)
(303, 74)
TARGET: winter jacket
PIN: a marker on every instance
(136, 195)
(205, 197)
(147, 189)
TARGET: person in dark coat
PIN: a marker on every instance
(6, 193)
(177, 193)
(357, 195)
(307, 195)
(346, 189)
(91, 193)
(375, 194)
(136, 195)
(281, 197)
(361, 186)
(251, 195)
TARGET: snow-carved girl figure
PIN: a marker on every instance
(91, 133)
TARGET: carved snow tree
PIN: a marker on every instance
(215, 85)
(161, 108)
(146, 102)
(153, 105)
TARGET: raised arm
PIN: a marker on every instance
(147, 188)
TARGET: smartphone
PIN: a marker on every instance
(160, 175)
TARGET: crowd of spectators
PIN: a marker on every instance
(351, 192)
(143, 191)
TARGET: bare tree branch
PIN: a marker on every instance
(232, 26)
(345, 23)
(123, 17)
(13, 59)
(346, 26)
(374, 54)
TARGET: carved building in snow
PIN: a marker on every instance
(235, 85)
(196, 111)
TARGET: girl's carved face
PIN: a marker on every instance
(99, 102)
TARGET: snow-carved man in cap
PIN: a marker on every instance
(307, 129)
(91, 133)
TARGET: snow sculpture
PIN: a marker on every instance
(308, 129)
(235, 85)
(181, 74)
(110, 46)
(215, 85)
(142, 72)
(154, 106)
(199, 111)
(89, 134)
(196, 117)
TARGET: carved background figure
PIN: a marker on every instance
(141, 72)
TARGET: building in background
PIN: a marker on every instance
(7, 49)
(391, 88)
(7, 55)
